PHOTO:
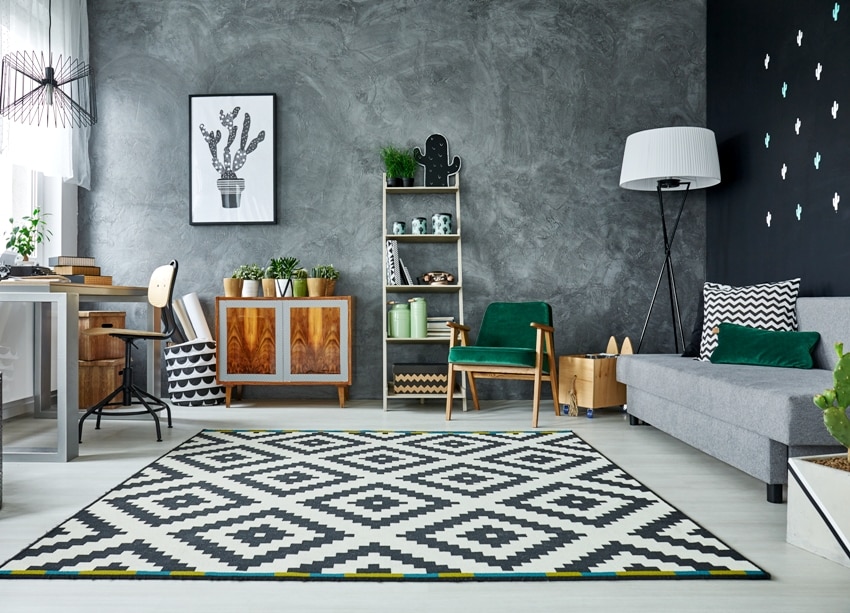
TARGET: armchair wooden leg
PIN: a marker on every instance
(536, 410)
(553, 380)
(450, 393)
(473, 390)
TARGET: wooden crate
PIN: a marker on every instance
(595, 380)
(101, 347)
(98, 378)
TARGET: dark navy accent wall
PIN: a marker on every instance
(779, 103)
(537, 97)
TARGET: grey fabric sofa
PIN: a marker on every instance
(752, 417)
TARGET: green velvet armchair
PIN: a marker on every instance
(515, 341)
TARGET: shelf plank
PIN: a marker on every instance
(423, 289)
(421, 189)
(423, 238)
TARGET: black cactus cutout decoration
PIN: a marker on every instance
(435, 160)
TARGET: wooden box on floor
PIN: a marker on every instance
(98, 378)
(595, 380)
(101, 347)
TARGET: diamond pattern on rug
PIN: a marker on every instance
(250, 504)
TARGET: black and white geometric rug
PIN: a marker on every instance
(376, 505)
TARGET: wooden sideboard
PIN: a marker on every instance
(284, 341)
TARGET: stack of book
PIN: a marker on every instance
(79, 269)
(437, 327)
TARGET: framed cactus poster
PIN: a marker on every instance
(232, 159)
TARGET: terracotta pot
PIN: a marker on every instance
(232, 287)
(330, 287)
(269, 288)
(316, 287)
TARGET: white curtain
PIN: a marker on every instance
(53, 151)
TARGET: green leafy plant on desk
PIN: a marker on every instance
(27, 233)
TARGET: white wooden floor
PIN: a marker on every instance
(38, 496)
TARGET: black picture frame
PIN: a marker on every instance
(232, 159)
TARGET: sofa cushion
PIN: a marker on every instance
(744, 345)
(769, 306)
(775, 402)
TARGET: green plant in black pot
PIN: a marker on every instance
(407, 167)
(393, 164)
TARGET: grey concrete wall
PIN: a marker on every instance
(537, 97)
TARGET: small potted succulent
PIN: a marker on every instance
(281, 271)
(27, 233)
(322, 280)
(299, 283)
(251, 275)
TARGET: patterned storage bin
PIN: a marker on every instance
(191, 374)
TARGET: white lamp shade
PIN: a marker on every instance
(684, 153)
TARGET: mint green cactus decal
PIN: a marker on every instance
(767, 140)
(835, 10)
(799, 211)
(817, 160)
(835, 401)
(784, 90)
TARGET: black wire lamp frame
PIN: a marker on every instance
(34, 91)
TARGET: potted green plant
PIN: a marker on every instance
(299, 283)
(281, 270)
(407, 167)
(251, 274)
(315, 283)
(27, 233)
(819, 486)
(322, 280)
(330, 275)
(269, 283)
(393, 164)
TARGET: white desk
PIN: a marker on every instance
(67, 298)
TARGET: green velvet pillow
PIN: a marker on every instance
(744, 345)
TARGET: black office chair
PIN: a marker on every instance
(160, 288)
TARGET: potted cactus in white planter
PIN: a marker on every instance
(819, 486)
(230, 185)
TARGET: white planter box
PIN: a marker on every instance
(818, 503)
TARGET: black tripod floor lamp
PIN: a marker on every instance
(669, 159)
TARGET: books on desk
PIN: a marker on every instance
(71, 260)
(79, 269)
(90, 279)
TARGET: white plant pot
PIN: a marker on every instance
(250, 288)
(818, 503)
(284, 287)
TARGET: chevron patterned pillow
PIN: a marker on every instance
(768, 306)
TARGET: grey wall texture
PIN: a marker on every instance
(537, 97)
